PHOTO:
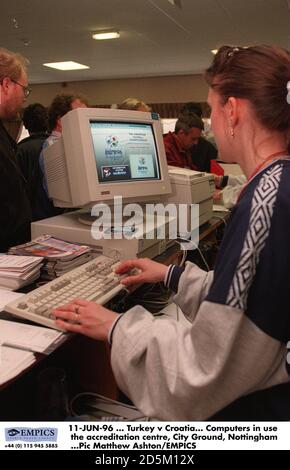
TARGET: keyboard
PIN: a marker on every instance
(95, 280)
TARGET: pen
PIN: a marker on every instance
(17, 346)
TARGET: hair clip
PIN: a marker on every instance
(288, 94)
(234, 49)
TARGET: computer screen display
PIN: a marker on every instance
(106, 153)
(124, 151)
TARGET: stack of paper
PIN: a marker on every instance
(29, 337)
(17, 271)
(60, 256)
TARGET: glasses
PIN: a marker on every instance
(26, 89)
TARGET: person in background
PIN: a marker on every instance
(231, 360)
(228, 188)
(204, 151)
(42, 206)
(15, 215)
(178, 144)
(135, 105)
(35, 120)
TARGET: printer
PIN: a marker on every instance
(192, 187)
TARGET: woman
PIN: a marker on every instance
(231, 361)
(134, 104)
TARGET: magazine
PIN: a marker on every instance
(50, 248)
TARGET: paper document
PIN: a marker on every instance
(218, 208)
(30, 337)
(17, 271)
(17, 263)
(7, 296)
(13, 361)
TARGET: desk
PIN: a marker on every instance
(85, 361)
(208, 230)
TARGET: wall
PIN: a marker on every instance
(168, 89)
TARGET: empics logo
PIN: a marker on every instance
(12, 432)
(31, 434)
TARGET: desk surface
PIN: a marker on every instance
(218, 219)
(86, 362)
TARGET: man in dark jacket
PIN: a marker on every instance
(35, 120)
(15, 213)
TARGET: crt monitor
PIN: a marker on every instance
(105, 153)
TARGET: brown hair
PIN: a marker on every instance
(187, 121)
(258, 74)
(61, 105)
(11, 64)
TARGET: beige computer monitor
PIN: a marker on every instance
(105, 153)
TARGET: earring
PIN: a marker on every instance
(232, 132)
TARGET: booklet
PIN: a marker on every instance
(50, 248)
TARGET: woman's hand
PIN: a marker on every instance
(87, 318)
(146, 271)
(218, 181)
(217, 196)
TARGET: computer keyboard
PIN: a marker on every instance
(95, 280)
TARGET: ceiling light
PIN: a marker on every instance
(68, 65)
(106, 35)
(214, 51)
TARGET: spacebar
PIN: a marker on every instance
(96, 296)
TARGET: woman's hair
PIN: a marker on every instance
(133, 104)
(258, 74)
(11, 64)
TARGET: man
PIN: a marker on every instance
(204, 151)
(177, 144)
(35, 120)
(15, 215)
(42, 206)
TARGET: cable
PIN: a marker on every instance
(181, 263)
(196, 247)
(220, 218)
(95, 406)
(203, 258)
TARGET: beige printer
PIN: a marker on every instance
(192, 187)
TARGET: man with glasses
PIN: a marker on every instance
(15, 213)
(26, 89)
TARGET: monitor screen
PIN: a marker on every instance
(105, 153)
(124, 151)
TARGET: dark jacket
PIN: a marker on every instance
(15, 215)
(202, 154)
(28, 152)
